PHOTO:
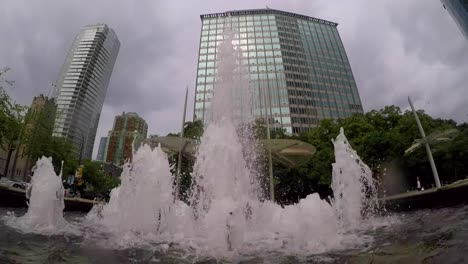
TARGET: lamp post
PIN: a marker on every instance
(182, 147)
(81, 149)
(270, 162)
(426, 143)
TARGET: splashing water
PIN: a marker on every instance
(144, 196)
(46, 204)
(352, 184)
(226, 218)
(224, 189)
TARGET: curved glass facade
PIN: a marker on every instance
(297, 65)
(82, 86)
(458, 9)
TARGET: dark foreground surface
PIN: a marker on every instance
(425, 236)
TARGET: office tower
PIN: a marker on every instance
(458, 9)
(82, 86)
(101, 155)
(297, 66)
(128, 132)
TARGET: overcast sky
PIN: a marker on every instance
(397, 48)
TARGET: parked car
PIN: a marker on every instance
(20, 185)
(6, 182)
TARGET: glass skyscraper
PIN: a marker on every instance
(458, 9)
(102, 150)
(297, 65)
(82, 86)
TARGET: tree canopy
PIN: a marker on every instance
(380, 138)
(94, 175)
(32, 132)
(12, 117)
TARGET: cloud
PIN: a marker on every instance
(397, 48)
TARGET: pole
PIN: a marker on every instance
(428, 149)
(270, 163)
(182, 147)
(81, 149)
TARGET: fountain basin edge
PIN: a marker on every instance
(448, 195)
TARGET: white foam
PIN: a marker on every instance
(46, 203)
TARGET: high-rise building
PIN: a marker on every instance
(101, 155)
(297, 64)
(128, 132)
(82, 86)
(458, 9)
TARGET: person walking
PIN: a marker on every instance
(418, 184)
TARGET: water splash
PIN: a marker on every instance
(46, 202)
(144, 197)
(232, 94)
(352, 184)
(226, 218)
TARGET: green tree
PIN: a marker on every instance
(192, 130)
(381, 137)
(319, 167)
(36, 139)
(61, 149)
(11, 121)
(94, 176)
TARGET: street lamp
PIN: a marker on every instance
(181, 150)
(270, 162)
(81, 149)
(426, 143)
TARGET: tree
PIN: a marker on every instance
(11, 121)
(319, 167)
(192, 130)
(94, 176)
(61, 149)
(36, 137)
(380, 138)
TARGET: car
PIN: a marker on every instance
(18, 185)
(14, 184)
(6, 182)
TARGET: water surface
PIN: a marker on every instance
(426, 236)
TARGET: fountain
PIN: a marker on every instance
(45, 208)
(226, 216)
(352, 184)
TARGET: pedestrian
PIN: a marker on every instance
(418, 184)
